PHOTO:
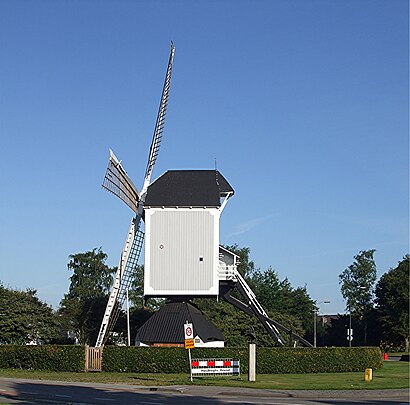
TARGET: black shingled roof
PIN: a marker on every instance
(167, 325)
(188, 188)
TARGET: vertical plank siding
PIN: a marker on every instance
(93, 358)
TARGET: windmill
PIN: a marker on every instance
(183, 259)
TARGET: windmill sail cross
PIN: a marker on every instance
(116, 181)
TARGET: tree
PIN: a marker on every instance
(235, 324)
(290, 307)
(136, 290)
(357, 285)
(24, 319)
(392, 299)
(91, 276)
(82, 308)
(136, 293)
(280, 297)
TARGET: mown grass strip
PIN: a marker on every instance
(393, 375)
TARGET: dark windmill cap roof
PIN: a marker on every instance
(188, 188)
(167, 325)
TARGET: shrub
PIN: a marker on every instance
(175, 360)
(47, 357)
(268, 361)
(317, 360)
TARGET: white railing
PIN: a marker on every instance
(227, 272)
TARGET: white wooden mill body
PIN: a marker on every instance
(182, 212)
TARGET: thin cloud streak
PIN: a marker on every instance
(248, 225)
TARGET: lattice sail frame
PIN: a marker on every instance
(159, 125)
(117, 181)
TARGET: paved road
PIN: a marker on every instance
(33, 392)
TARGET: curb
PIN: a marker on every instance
(267, 393)
(206, 390)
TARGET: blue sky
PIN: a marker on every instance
(303, 104)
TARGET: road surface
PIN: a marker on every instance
(33, 392)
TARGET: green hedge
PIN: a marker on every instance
(175, 360)
(54, 358)
(317, 360)
(268, 360)
(161, 359)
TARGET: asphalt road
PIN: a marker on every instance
(34, 392)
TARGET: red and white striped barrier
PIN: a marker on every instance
(204, 367)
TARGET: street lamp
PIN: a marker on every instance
(314, 320)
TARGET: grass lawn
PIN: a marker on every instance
(397, 354)
(391, 375)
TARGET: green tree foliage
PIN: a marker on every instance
(291, 307)
(236, 325)
(140, 311)
(392, 299)
(280, 297)
(357, 287)
(25, 319)
(82, 308)
(358, 282)
(91, 276)
(136, 290)
(136, 293)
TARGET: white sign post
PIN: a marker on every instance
(189, 342)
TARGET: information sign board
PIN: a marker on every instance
(189, 344)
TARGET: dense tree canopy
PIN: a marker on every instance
(136, 293)
(280, 297)
(358, 282)
(91, 277)
(291, 307)
(82, 308)
(24, 319)
(357, 287)
(392, 299)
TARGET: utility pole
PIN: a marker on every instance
(128, 321)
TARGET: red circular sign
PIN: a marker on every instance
(188, 331)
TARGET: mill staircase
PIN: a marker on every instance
(230, 277)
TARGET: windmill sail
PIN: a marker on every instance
(159, 125)
(123, 278)
(117, 182)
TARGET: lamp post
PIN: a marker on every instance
(128, 321)
(314, 321)
(350, 334)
